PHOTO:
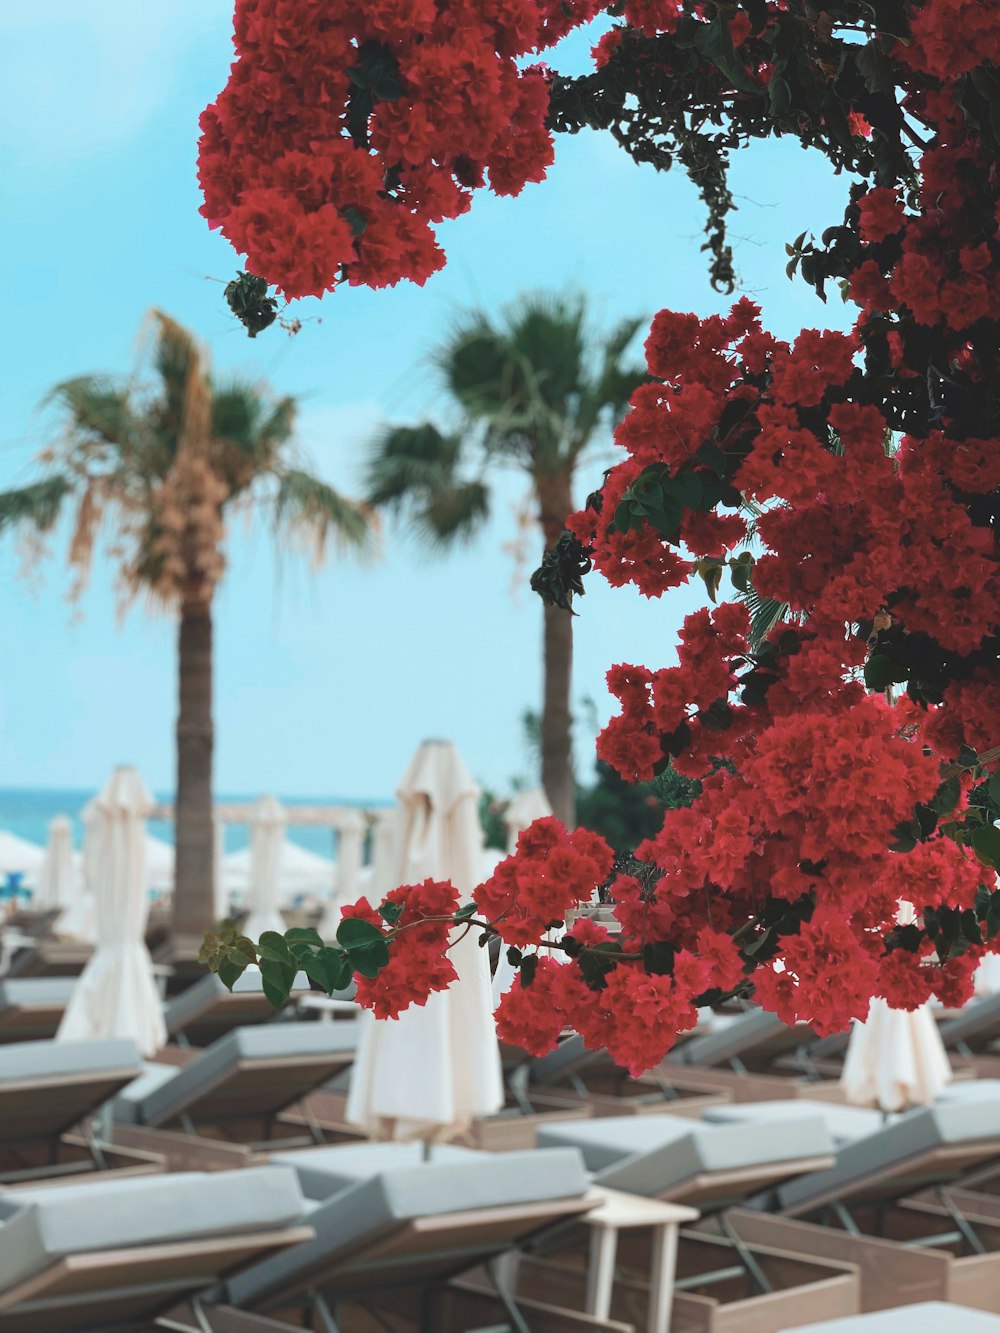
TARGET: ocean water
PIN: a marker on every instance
(26, 812)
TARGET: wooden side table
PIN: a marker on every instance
(617, 1212)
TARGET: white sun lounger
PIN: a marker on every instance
(207, 1010)
(48, 1089)
(415, 1227)
(753, 1040)
(236, 1089)
(933, 1317)
(975, 1029)
(119, 1254)
(31, 1008)
(916, 1151)
(688, 1161)
(843, 1123)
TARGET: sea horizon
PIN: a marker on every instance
(27, 811)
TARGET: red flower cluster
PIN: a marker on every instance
(418, 960)
(342, 137)
(869, 459)
(551, 872)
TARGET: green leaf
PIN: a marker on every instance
(277, 979)
(353, 933)
(230, 971)
(529, 966)
(714, 41)
(904, 837)
(469, 909)
(986, 845)
(946, 796)
(330, 968)
(881, 672)
(272, 946)
(390, 912)
(687, 488)
(369, 958)
(305, 934)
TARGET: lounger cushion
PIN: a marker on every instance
(973, 1090)
(908, 1136)
(328, 1170)
(23, 1061)
(364, 1210)
(728, 1041)
(650, 1154)
(606, 1141)
(40, 1226)
(199, 998)
(978, 1021)
(20, 992)
(268, 1041)
(125, 1106)
(843, 1123)
(934, 1317)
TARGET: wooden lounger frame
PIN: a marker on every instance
(130, 1286)
(250, 1095)
(936, 1166)
(31, 1022)
(36, 1114)
(421, 1252)
(724, 1187)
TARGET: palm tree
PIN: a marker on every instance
(534, 391)
(162, 466)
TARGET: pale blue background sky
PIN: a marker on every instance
(326, 684)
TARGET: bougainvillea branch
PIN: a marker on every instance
(848, 761)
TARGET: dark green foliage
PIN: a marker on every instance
(559, 578)
(625, 813)
(246, 296)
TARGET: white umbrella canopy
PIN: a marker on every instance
(987, 977)
(895, 1059)
(385, 844)
(79, 920)
(436, 1068)
(18, 856)
(301, 872)
(116, 995)
(58, 879)
(350, 855)
(267, 841)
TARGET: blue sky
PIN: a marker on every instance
(326, 683)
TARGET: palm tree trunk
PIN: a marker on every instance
(194, 874)
(555, 504)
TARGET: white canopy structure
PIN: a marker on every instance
(267, 842)
(79, 920)
(433, 1070)
(895, 1059)
(59, 877)
(116, 995)
(300, 872)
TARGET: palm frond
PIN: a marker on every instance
(453, 513)
(174, 357)
(308, 508)
(37, 506)
(407, 465)
(765, 614)
(97, 409)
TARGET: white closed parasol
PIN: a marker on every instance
(432, 1071)
(116, 995)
